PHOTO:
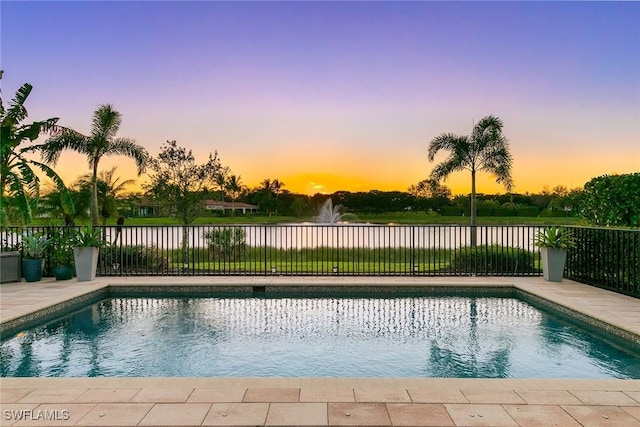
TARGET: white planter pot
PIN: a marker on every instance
(553, 260)
(86, 259)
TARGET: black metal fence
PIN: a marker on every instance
(607, 258)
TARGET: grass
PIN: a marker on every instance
(322, 260)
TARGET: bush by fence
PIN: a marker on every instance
(494, 260)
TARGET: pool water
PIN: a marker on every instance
(464, 337)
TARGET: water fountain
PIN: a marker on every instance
(330, 214)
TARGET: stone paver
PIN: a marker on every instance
(418, 414)
(236, 414)
(492, 396)
(601, 416)
(430, 395)
(548, 397)
(12, 395)
(327, 395)
(272, 395)
(540, 416)
(634, 411)
(116, 414)
(176, 414)
(615, 398)
(383, 395)
(217, 395)
(479, 415)
(105, 395)
(297, 414)
(358, 414)
(166, 395)
(52, 395)
(347, 401)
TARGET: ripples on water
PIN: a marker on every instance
(365, 337)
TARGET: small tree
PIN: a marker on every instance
(612, 200)
(180, 182)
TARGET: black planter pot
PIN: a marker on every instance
(63, 272)
(32, 269)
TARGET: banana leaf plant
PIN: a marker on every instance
(19, 179)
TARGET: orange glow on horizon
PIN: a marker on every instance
(306, 180)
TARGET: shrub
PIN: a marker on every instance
(451, 211)
(227, 243)
(527, 211)
(612, 200)
(493, 260)
(133, 258)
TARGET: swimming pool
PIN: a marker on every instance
(408, 336)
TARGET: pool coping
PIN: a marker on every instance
(568, 297)
(282, 401)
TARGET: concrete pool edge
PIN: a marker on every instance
(566, 299)
(208, 401)
(319, 401)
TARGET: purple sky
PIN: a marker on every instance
(340, 95)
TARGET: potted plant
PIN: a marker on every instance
(86, 245)
(62, 254)
(34, 247)
(554, 243)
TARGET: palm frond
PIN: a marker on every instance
(129, 148)
(106, 122)
(67, 139)
(65, 196)
(17, 111)
(452, 164)
(20, 198)
(446, 141)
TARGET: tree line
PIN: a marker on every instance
(179, 184)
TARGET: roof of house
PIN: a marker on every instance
(230, 205)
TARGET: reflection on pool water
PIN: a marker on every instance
(467, 337)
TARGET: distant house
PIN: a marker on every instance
(148, 207)
(217, 205)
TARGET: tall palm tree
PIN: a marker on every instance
(18, 181)
(101, 142)
(486, 149)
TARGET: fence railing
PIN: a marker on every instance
(607, 258)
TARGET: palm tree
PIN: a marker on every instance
(101, 142)
(486, 149)
(110, 189)
(234, 188)
(18, 181)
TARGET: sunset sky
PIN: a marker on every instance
(330, 96)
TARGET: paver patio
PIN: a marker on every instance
(323, 401)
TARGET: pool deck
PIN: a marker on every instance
(323, 401)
